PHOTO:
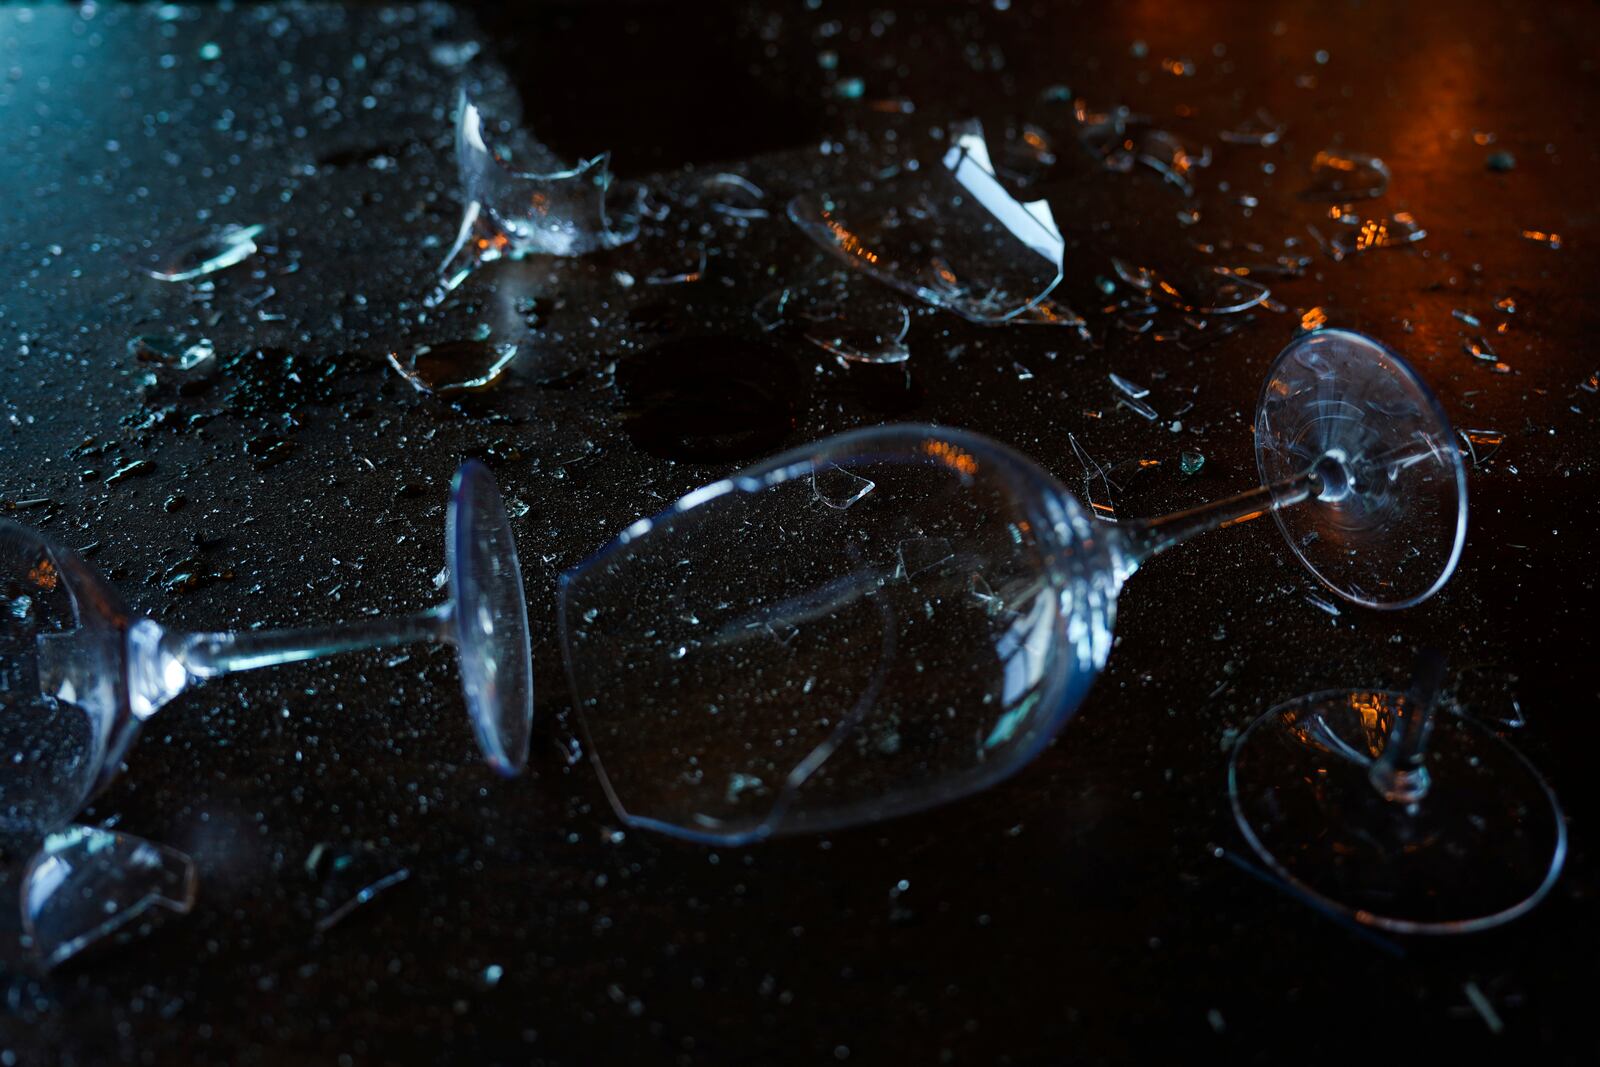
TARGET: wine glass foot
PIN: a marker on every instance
(1481, 847)
(1386, 525)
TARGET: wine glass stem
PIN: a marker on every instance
(210, 655)
(1143, 538)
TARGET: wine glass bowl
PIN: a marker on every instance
(864, 626)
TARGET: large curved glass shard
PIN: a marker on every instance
(555, 211)
(868, 625)
(85, 885)
(957, 239)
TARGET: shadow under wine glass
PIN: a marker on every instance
(80, 674)
(898, 616)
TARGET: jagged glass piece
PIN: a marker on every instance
(1204, 291)
(552, 210)
(85, 885)
(1395, 231)
(854, 324)
(349, 877)
(196, 256)
(1338, 176)
(454, 366)
(1258, 129)
(957, 240)
(1120, 140)
(171, 352)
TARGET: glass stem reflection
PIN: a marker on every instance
(1143, 538)
(1400, 774)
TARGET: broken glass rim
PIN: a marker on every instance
(802, 462)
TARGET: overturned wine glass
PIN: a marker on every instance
(895, 617)
(1401, 816)
(80, 674)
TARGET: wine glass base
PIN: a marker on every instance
(1482, 846)
(1386, 526)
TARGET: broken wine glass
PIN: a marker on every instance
(80, 674)
(898, 616)
(1406, 818)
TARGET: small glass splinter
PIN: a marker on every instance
(1379, 805)
(85, 885)
(865, 655)
(512, 213)
(80, 674)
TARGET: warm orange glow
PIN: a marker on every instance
(43, 575)
(957, 459)
(851, 243)
(1242, 518)
(1314, 319)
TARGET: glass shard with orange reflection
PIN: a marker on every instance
(954, 238)
(533, 206)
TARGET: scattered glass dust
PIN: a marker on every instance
(1340, 176)
(171, 351)
(85, 885)
(1191, 462)
(454, 366)
(196, 257)
(1552, 240)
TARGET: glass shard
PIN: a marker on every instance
(1338, 176)
(1553, 240)
(1121, 140)
(1129, 389)
(1096, 483)
(956, 240)
(1191, 462)
(170, 351)
(1258, 129)
(1203, 291)
(854, 324)
(554, 210)
(348, 877)
(207, 253)
(735, 196)
(837, 487)
(85, 885)
(1396, 231)
(454, 366)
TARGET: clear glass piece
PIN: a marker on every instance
(550, 210)
(454, 366)
(86, 885)
(197, 256)
(1121, 140)
(957, 239)
(1338, 176)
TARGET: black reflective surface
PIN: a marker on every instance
(1100, 906)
